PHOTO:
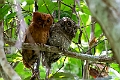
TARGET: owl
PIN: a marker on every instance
(37, 32)
(61, 34)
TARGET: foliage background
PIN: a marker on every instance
(72, 68)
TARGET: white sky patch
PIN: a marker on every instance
(54, 0)
(24, 3)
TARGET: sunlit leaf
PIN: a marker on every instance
(4, 10)
(64, 76)
(10, 16)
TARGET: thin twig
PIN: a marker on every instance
(59, 6)
(60, 67)
(36, 5)
(91, 43)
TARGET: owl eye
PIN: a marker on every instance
(39, 19)
(69, 23)
(48, 20)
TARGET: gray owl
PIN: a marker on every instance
(61, 34)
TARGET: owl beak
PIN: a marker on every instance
(43, 25)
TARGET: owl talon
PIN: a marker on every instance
(61, 48)
(37, 44)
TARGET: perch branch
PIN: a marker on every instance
(67, 53)
(64, 53)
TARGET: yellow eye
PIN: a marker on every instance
(69, 23)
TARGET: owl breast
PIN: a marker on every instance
(37, 32)
(59, 39)
(61, 34)
(41, 36)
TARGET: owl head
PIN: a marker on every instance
(68, 26)
(42, 19)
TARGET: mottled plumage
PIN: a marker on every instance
(61, 34)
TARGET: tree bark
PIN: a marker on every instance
(4, 65)
(107, 13)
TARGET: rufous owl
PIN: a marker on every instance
(37, 32)
(61, 35)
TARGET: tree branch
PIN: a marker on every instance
(4, 65)
(64, 53)
(3, 74)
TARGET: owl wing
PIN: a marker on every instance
(29, 56)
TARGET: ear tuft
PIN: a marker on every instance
(36, 13)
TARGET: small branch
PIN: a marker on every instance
(59, 6)
(3, 74)
(88, 57)
(36, 5)
(21, 22)
(67, 53)
(91, 43)
(66, 5)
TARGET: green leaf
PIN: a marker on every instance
(29, 2)
(1, 5)
(85, 8)
(28, 8)
(22, 71)
(98, 30)
(4, 10)
(115, 66)
(48, 5)
(1, 79)
(12, 57)
(63, 76)
(10, 16)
